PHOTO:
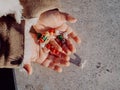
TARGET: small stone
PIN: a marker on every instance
(108, 70)
(98, 65)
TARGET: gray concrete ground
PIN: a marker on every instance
(98, 26)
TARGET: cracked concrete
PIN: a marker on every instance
(98, 26)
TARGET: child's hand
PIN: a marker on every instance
(54, 20)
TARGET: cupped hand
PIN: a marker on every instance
(56, 20)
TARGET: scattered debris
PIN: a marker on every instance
(98, 65)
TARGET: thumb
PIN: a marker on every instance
(28, 68)
(69, 18)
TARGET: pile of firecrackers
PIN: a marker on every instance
(44, 38)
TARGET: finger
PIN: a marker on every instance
(61, 62)
(56, 51)
(74, 37)
(56, 45)
(57, 68)
(54, 63)
(48, 60)
(62, 28)
(45, 50)
(46, 63)
(64, 63)
(55, 60)
(43, 54)
(71, 46)
(64, 56)
(38, 27)
(68, 17)
(66, 49)
(28, 68)
(63, 45)
(70, 33)
(51, 66)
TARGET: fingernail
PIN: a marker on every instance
(67, 64)
(28, 68)
(67, 58)
(74, 50)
